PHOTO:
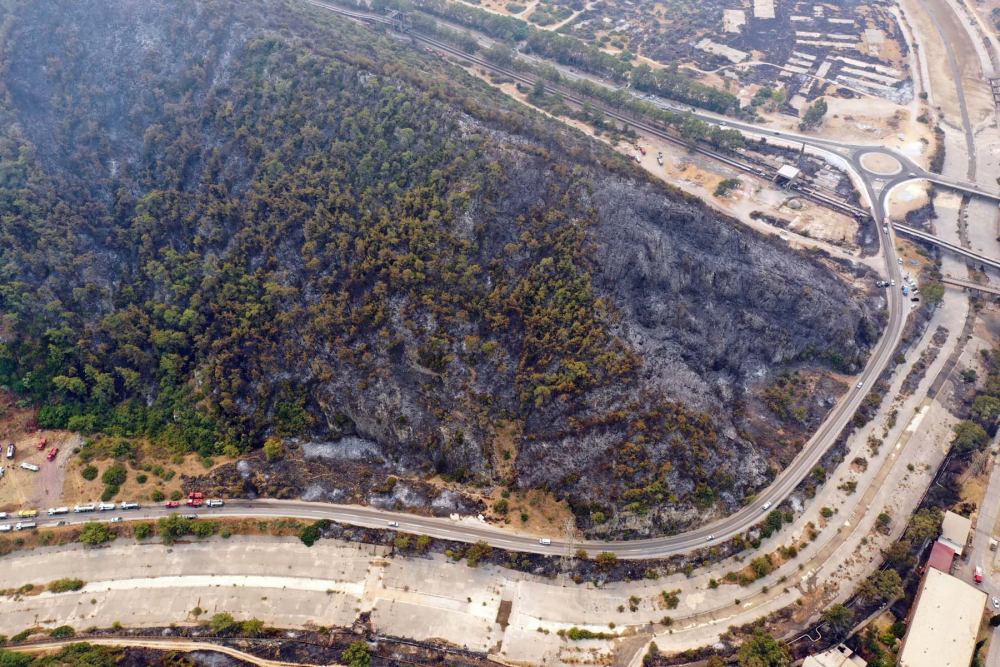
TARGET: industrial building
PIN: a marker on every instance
(943, 624)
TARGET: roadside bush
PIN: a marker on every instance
(203, 529)
(89, 473)
(309, 534)
(115, 475)
(65, 585)
(224, 623)
(96, 533)
(159, 496)
(357, 655)
(143, 531)
(109, 493)
(62, 631)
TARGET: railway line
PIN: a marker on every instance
(650, 127)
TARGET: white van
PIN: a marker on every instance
(30, 466)
(545, 542)
(5, 528)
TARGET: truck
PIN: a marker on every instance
(979, 575)
(24, 514)
(25, 526)
(105, 507)
(6, 528)
(30, 466)
(58, 510)
(130, 506)
(53, 453)
(85, 508)
(215, 503)
(42, 443)
(11, 450)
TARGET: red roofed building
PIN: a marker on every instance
(941, 557)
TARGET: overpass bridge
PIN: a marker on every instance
(976, 258)
(965, 187)
(972, 286)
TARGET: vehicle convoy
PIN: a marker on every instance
(30, 466)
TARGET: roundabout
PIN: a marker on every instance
(880, 164)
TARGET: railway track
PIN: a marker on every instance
(647, 126)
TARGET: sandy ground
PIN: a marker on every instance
(21, 488)
(77, 490)
(908, 197)
(944, 95)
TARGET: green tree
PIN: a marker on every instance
(143, 530)
(96, 533)
(115, 475)
(273, 449)
(172, 528)
(969, 436)
(814, 114)
(763, 650)
(924, 525)
(839, 618)
(357, 655)
(985, 411)
(881, 585)
(933, 292)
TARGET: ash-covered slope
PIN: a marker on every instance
(224, 221)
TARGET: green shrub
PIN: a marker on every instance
(64, 585)
(89, 473)
(115, 475)
(62, 631)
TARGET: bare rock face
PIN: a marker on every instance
(285, 225)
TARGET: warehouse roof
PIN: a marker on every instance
(942, 632)
(955, 531)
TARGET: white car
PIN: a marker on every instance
(2, 471)
(545, 541)
(117, 519)
(860, 383)
(899, 259)
(996, 603)
(710, 538)
(766, 506)
(394, 524)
